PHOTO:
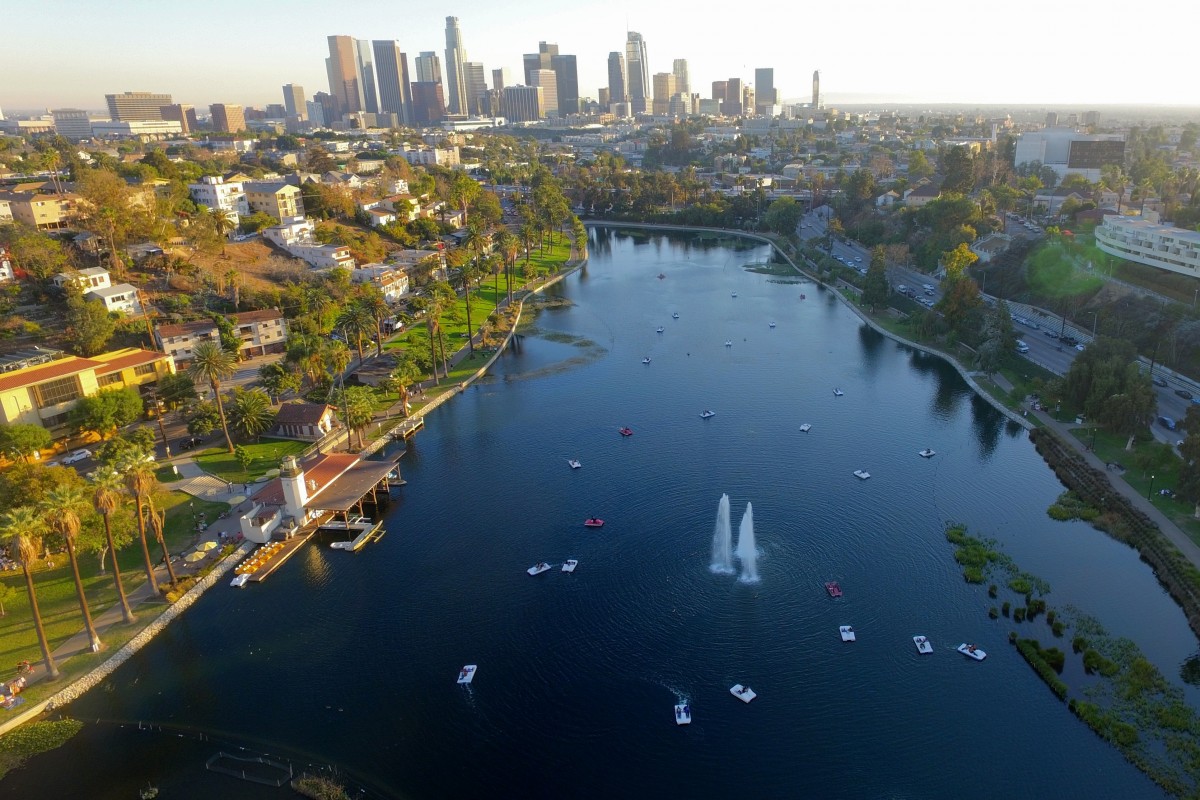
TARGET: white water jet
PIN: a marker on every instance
(722, 544)
(746, 551)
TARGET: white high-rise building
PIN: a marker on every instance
(456, 80)
(638, 72)
(548, 81)
(680, 69)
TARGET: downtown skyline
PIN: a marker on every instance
(904, 56)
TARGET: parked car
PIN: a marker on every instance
(1158, 382)
(189, 443)
(1079, 347)
(1184, 393)
(76, 456)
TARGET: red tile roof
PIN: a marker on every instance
(134, 359)
(41, 373)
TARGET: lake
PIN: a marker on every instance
(350, 659)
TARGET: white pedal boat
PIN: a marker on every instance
(847, 633)
(729, 342)
(538, 568)
(675, 315)
(923, 644)
(926, 453)
(838, 393)
(240, 580)
(861, 474)
(772, 324)
(743, 693)
(646, 360)
(707, 414)
(574, 463)
(805, 428)
(570, 564)
(683, 714)
(971, 651)
(660, 329)
(467, 673)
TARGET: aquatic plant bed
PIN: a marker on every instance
(34, 738)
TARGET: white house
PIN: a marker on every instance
(295, 235)
(392, 282)
(86, 279)
(213, 192)
(123, 298)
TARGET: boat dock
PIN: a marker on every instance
(277, 559)
(368, 532)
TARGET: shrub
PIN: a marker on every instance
(1020, 585)
(1006, 608)
(1093, 662)
(992, 590)
(1019, 614)
(993, 613)
(1059, 628)
(1043, 662)
(319, 788)
(1079, 644)
(973, 575)
(33, 738)
(1050, 615)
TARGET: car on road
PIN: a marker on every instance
(189, 443)
(1184, 393)
(858, 258)
(76, 456)
(1050, 333)
(1079, 347)
(1157, 381)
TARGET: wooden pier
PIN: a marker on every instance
(290, 546)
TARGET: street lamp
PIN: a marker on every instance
(1150, 491)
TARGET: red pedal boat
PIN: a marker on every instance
(626, 431)
(833, 589)
(593, 522)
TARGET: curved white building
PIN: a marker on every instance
(1172, 249)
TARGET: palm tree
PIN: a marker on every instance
(406, 374)
(107, 499)
(356, 410)
(140, 482)
(213, 364)
(23, 527)
(60, 509)
(356, 321)
(250, 411)
(379, 309)
(335, 356)
(222, 222)
(432, 308)
(509, 246)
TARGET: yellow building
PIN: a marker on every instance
(280, 200)
(43, 394)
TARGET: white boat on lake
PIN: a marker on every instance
(538, 568)
(838, 393)
(729, 342)
(923, 644)
(683, 714)
(847, 633)
(240, 580)
(861, 474)
(706, 414)
(927, 453)
(574, 462)
(646, 360)
(971, 651)
(467, 673)
(570, 564)
(805, 428)
(675, 315)
(772, 324)
(734, 294)
(743, 693)
(661, 329)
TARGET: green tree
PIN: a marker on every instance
(875, 285)
(1129, 412)
(318, 160)
(956, 261)
(407, 372)
(278, 380)
(107, 499)
(356, 407)
(175, 389)
(244, 458)
(958, 169)
(783, 216)
(212, 364)
(34, 252)
(106, 411)
(22, 527)
(960, 305)
(61, 509)
(21, 440)
(203, 419)
(128, 445)
(89, 325)
(107, 207)
(141, 483)
(1188, 485)
(5, 591)
(918, 166)
(250, 412)
(357, 322)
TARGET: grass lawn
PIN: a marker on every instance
(265, 454)
(56, 587)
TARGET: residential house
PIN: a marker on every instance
(42, 210)
(887, 199)
(991, 246)
(216, 193)
(44, 393)
(406, 207)
(5, 209)
(925, 193)
(261, 332)
(276, 198)
(345, 180)
(85, 279)
(121, 298)
(308, 422)
(391, 281)
(295, 235)
(379, 216)
(1051, 200)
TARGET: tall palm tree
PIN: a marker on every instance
(222, 223)
(357, 322)
(432, 308)
(406, 374)
(23, 527)
(335, 357)
(251, 411)
(375, 303)
(509, 246)
(140, 481)
(106, 499)
(212, 363)
(60, 508)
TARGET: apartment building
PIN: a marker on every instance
(41, 210)
(1144, 242)
(280, 200)
(44, 393)
(295, 235)
(213, 192)
(261, 332)
(391, 281)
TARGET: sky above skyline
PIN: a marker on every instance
(70, 53)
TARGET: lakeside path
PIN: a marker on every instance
(195, 481)
(1173, 533)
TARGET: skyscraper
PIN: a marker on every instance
(456, 54)
(679, 68)
(365, 65)
(816, 88)
(542, 59)
(500, 78)
(72, 124)
(522, 103)
(719, 89)
(732, 107)
(548, 82)
(182, 113)
(476, 86)
(664, 87)
(391, 70)
(618, 91)
(429, 106)
(227, 118)
(429, 67)
(638, 70)
(764, 90)
(293, 101)
(567, 76)
(342, 69)
(136, 105)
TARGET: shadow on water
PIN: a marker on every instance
(872, 344)
(988, 423)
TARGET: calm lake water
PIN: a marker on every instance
(350, 660)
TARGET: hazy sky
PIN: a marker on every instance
(70, 53)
